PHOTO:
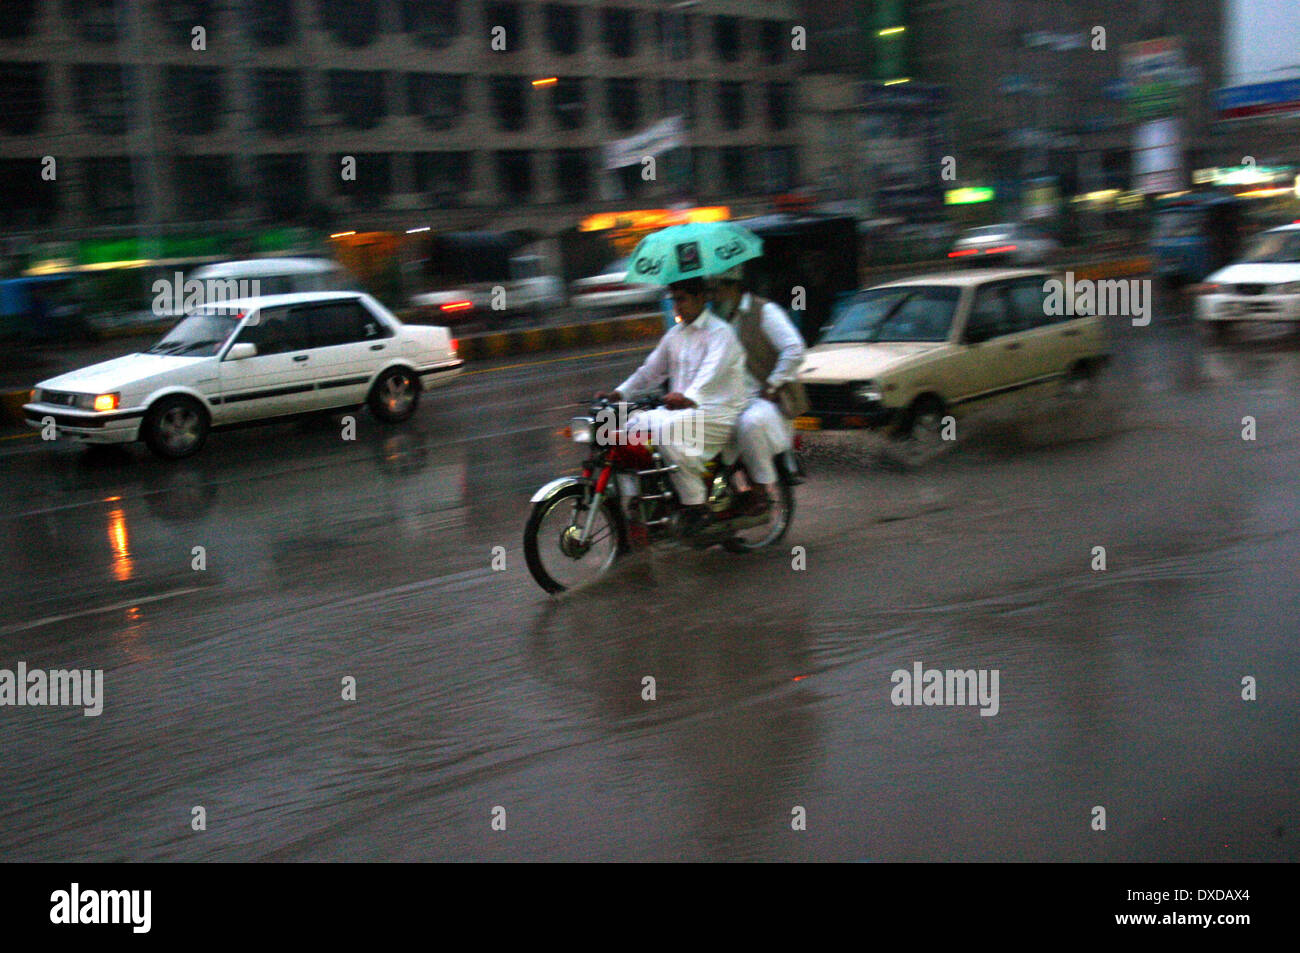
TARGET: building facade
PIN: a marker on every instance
(385, 114)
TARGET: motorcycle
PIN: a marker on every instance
(624, 501)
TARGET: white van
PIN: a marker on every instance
(276, 276)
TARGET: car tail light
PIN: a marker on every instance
(963, 253)
(457, 306)
(1000, 249)
(455, 347)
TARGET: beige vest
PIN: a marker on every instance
(761, 355)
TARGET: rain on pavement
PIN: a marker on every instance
(372, 559)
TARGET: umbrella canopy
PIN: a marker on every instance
(693, 250)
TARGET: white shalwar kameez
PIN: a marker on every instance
(702, 360)
(763, 431)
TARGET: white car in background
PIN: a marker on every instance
(1010, 243)
(609, 291)
(250, 360)
(1263, 286)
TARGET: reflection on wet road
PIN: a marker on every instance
(227, 599)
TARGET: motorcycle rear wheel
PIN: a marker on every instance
(770, 533)
(549, 547)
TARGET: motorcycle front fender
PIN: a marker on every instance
(555, 486)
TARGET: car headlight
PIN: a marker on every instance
(98, 402)
(866, 391)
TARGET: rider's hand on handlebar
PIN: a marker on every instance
(678, 401)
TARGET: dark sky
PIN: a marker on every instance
(1263, 40)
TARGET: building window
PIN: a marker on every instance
(779, 169)
(674, 34)
(731, 105)
(506, 15)
(110, 190)
(772, 41)
(93, 20)
(358, 97)
(350, 23)
(204, 188)
(178, 19)
(270, 22)
(621, 104)
(573, 175)
(735, 170)
(726, 38)
(678, 97)
(195, 101)
(779, 96)
(431, 23)
(510, 102)
(277, 202)
(16, 24)
(278, 101)
(22, 98)
(438, 99)
(373, 182)
(515, 176)
(563, 29)
(619, 32)
(568, 103)
(442, 177)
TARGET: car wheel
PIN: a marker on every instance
(395, 395)
(1080, 382)
(918, 437)
(176, 427)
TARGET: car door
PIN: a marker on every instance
(986, 361)
(1044, 338)
(349, 344)
(278, 380)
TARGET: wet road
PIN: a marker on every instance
(371, 559)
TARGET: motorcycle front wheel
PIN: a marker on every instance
(555, 556)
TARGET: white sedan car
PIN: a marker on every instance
(1263, 286)
(1009, 243)
(249, 360)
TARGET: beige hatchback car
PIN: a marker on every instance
(901, 356)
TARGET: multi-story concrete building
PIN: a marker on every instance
(384, 114)
(1033, 87)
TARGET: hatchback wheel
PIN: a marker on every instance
(918, 437)
(395, 395)
(176, 427)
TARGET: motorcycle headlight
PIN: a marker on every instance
(866, 391)
(583, 429)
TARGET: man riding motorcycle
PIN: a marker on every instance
(774, 349)
(704, 364)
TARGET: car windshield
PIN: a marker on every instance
(895, 314)
(1275, 247)
(989, 231)
(200, 334)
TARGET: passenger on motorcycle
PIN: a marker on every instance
(774, 349)
(704, 365)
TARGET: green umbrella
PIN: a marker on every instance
(693, 250)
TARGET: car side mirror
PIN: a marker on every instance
(241, 351)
